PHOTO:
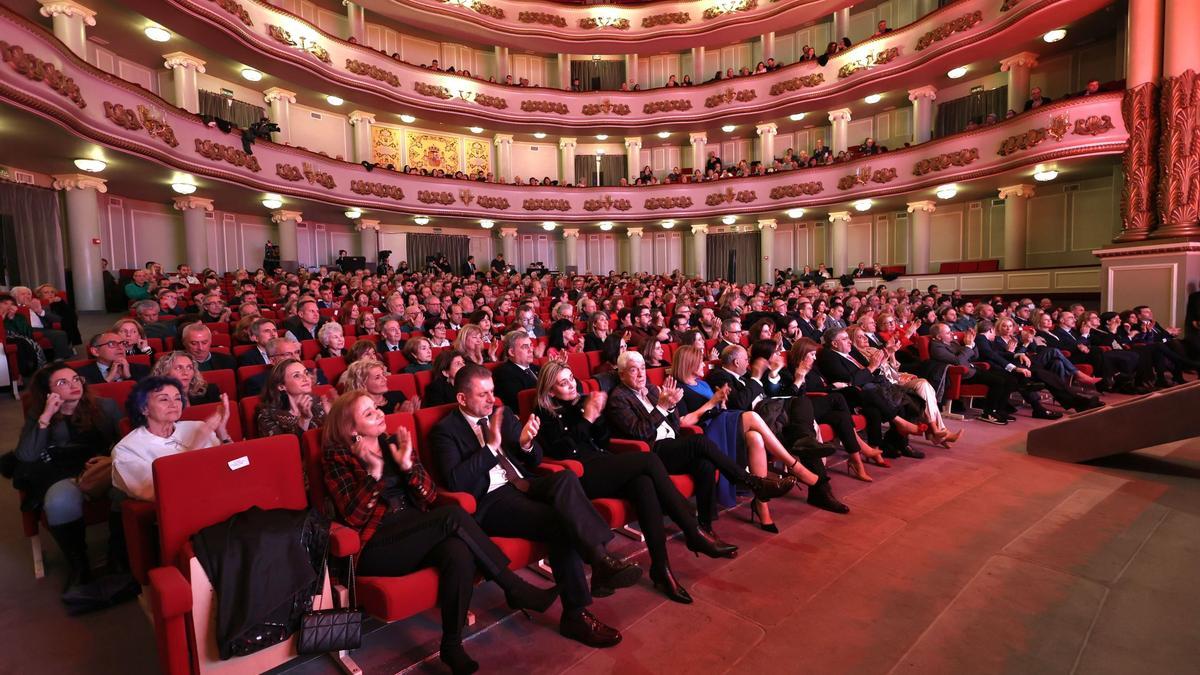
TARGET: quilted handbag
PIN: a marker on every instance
(332, 630)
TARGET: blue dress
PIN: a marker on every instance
(723, 427)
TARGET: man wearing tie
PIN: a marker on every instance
(110, 364)
(482, 449)
(518, 372)
(393, 336)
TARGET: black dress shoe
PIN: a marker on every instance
(583, 626)
(768, 488)
(821, 496)
(1043, 414)
(457, 659)
(907, 451)
(891, 453)
(710, 545)
(610, 573)
(669, 585)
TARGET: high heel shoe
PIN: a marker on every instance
(754, 514)
(794, 470)
(855, 469)
(670, 587)
(877, 458)
(710, 545)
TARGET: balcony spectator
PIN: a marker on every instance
(624, 86)
(760, 67)
(821, 152)
(773, 65)
(808, 54)
(729, 74)
(1093, 88)
(687, 81)
(868, 147)
(671, 82)
(716, 77)
(881, 29)
(576, 85)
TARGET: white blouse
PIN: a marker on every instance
(134, 455)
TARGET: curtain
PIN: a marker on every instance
(953, 116)
(612, 169)
(230, 109)
(598, 75)
(32, 245)
(453, 246)
(734, 256)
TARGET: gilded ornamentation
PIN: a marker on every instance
(945, 161)
(466, 196)
(744, 5)
(1139, 109)
(431, 151)
(1093, 125)
(546, 205)
(486, 202)
(373, 72)
(385, 145)
(288, 172)
(607, 203)
(489, 101)
(605, 108)
(591, 23)
(545, 106)
(1009, 4)
(1059, 126)
(1179, 152)
(656, 203)
(432, 197)
(542, 18)
(226, 153)
(362, 187)
(869, 61)
(478, 157)
(294, 173)
(302, 43)
(797, 83)
(482, 8)
(665, 19)
(730, 95)
(729, 196)
(1024, 141)
(38, 70)
(143, 119)
(964, 22)
(236, 10)
(667, 106)
(864, 175)
(797, 190)
(436, 91)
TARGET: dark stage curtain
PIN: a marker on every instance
(453, 246)
(598, 75)
(612, 169)
(239, 113)
(953, 116)
(31, 244)
(734, 256)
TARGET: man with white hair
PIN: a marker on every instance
(197, 341)
(148, 312)
(42, 320)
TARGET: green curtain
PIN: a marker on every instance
(734, 256)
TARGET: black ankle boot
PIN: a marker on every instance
(709, 544)
(666, 582)
(821, 496)
(768, 488)
(71, 538)
(456, 657)
(521, 594)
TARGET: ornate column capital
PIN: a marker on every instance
(361, 117)
(183, 60)
(571, 232)
(283, 215)
(926, 92)
(767, 223)
(698, 137)
(634, 232)
(1026, 59)
(633, 142)
(53, 8)
(768, 129)
(925, 206)
(189, 203)
(566, 143)
(1016, 191)
(835, 216)
(839, 115)
(363, 224)
(277, 94)
(79, 181)
(508, 232)
(700, 228)
(503, 139)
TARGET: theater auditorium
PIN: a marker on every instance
(599, 336)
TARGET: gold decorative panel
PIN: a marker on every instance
(478, 157)
(385, 146)
(431, 151)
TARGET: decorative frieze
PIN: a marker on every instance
(236, 10)
(593, 22)
(1093, 125)
(546, 205)
(312, 175)
(481, 7)
(797, 190)
(1022, 141)
(865, 175)
(489, 101)
(656, 203)
(962, 23)
(607, 203)
(302, 43)
(730, 95)
(143, 119)
(722, 9)
(605, 107)
(38, 70)
(665, 19)
(945, 161)
(545, 107)
(730, 196)
(486, 202)
(432, 90)
(227, 153)
(363, 187)
(869, 61)
(372, 71)
(667, 106)
(433, 197)
(797, 83)
(543, 18)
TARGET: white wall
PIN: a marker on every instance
(123, 68)
(320, 131)
(536, 160)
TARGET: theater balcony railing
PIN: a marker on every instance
(38, 74)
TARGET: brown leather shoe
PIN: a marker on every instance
(583, 626)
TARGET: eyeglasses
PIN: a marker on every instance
(63, 381)
(112, 343)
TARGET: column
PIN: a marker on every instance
(1018, 66)
(700, 250)
(767, 40)
(1179, 185)
(922, 115)
(504, 168)
(766, 142)
(766, 237)
(840, 119)
(368, 239)
(357, 21)
(289, 258)
(508, 244)
(635, 249)
(1016, 211)
(838, 222)
(83, 238)
(502, 68)
(566, 161)
(564, 72)
(633, 156)
(195, 230)
(918, 236)
(841, 24)
(281, 101)
(698, 73)
(570, 250)
(631, 69)
(360, 124)
(71, 21)
(1139, 163)
(699, 142)
(187, 90)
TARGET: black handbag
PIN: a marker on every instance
(332, 630)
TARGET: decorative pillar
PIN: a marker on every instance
(841, 25)
(700, 250)
(840, 119)
(631, 69)
(633, 157)
(357, 21)
(281, 101)
(360, 123)
(922, 115)
(195, 235)
(564, 72)
(766, 237)
(1139, 108)
(1178, 178)
(368, 239)
(83, 238)
(187, 90)
(508, 244)
(570, 250)
(289, 259)
(766, 142)
(1016, 212)
(699, 142)
(71, 21)
(504, 157)
(918, 236)
(698, 73)
(635, 249)
(566, 161)
(838, 223)
(767, 40)
(1017, 66)
(502, 68)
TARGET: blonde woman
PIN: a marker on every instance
(182, 367)
(470, 343)
(372, 378)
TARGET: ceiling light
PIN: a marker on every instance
(664, 134)
(183, 188)
(421, 220)
(1055, 35)
(874, 98)
(487, 224)
(955, 73)
(1045, 175)
(334, 100)
(606, 225)
(602, 137)
(474, 130)
(862, 205)
(157, 33)
(272, 201)
(946, 191)
(407, 119)
(795, 214)
(796, 117)
(354, 214)
(90, 165)
(549, 225)
(668, 224)
(540, 135)
(729, 220)
(728, 128)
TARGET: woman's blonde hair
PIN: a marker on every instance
(197, 387)
(460, 341)
(116, 327)
(684, 362)
(545, 382)
(355, 376)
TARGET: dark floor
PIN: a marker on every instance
(979, 559)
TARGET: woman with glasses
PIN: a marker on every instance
(66, 432)
(436, 330)
(288, 405)
(371, 377)
(182, 367)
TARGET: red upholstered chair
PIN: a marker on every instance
(395, 361)
(221, 339)
(117, 391)
(309, 349)
(404, 382)
(238, 350)
(249, 418)
(333, 367)
(157, 345)
(656, 376)
(225, 380)
(578, 363)
(593, 361)
(989, 265)
(423, 379)
(526, 401)
(246, 372)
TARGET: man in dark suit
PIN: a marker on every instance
(391, 335)
(734, 360)
(197, 341)
(807, 321)
(518, 371)
(469, 268)
(943, 349)
(307, 322)
(1036, 100)
(1029, 376)
(482, 449)
(499, 265)
(110, 364)
(262, 331)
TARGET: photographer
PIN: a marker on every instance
(263, 129)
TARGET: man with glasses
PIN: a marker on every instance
(279, 350)
(214, 309)
(110, 365)
(642, 327)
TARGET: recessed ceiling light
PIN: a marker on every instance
(353, 214)
(602, 137)
(421, 220)
(157, 33)
(540, 135)
(549, 225)
(606, 225)
(664, 134)
(90, 165)
(251, 74)
(728, 128)
(407, 119)
(874, 98)
(946, 192)
(862, 205)
(795, 214)
(729, 220)
(955, 73)
(476, 130)
(272, 201)
(796, 117)
(1045, 175)
(183, 188)
(668, 224)
(1055, 35)
(334, 100)
(487, 224)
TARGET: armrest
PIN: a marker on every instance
(170, 594)
(343, 541)
(816, 394)
(140, 521)
(571, 465)
(624, 445)
(448, 498)
(982, 365)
